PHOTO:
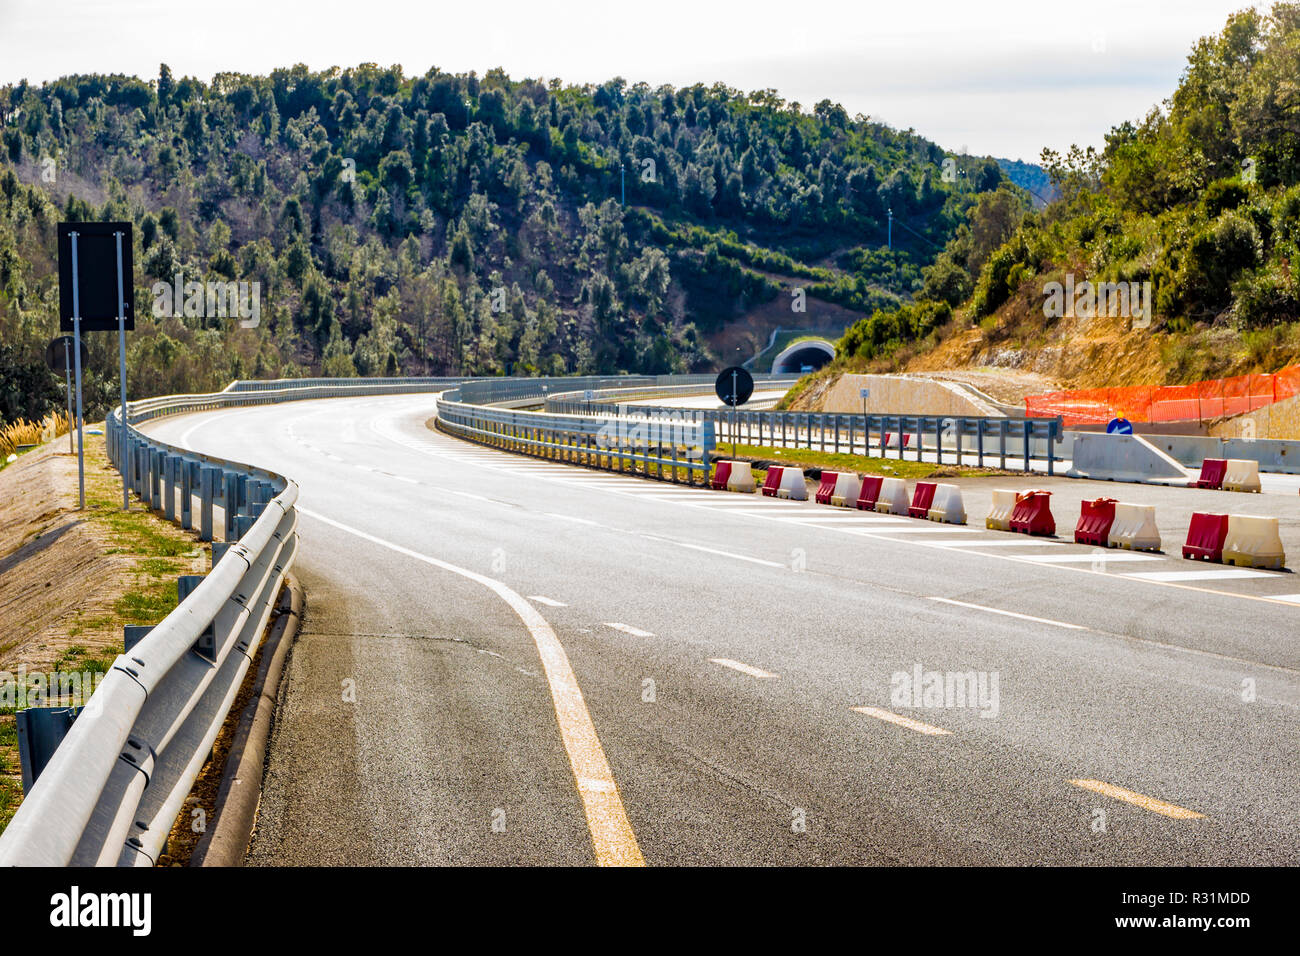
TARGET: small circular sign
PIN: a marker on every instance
(59, 355)
(1119, 426)
(734, 386)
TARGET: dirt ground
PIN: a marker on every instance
(72, 579)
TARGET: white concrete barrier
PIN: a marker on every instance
(1242, 475)
(1253, 542)
(947, 505)
(848, 487)
(793, 485)
(1134, 528)
(741, 477)
(1004, 502)
(893, 498)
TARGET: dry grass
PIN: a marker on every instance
(19, 433)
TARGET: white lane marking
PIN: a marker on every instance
(549, 602)
(1289, 598)
(725, 554)
(744, 668)
(552, 514)
(996, 543)
(1202, 574)
(996, 610)
(627, 629)
(919, 529)
(901, 721)
(409, 481)
(611, 832)
(1102, 557)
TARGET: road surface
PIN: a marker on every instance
(511, 661)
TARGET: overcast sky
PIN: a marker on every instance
(1005, 77)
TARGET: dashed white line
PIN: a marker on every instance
(901, 721)
(628, 629)
(1203, 574)
(744, 668)
(549, 602)
(997, 610)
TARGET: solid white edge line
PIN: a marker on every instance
(995, 610)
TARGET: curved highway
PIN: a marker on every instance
(506, 660)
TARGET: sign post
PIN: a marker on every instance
(96, 294)
(866, 428)
(121, 353)
(733, 387)
(76, 355)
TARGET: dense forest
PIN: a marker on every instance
(455, 224)
(1201, 198)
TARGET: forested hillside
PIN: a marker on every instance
(1200, 198)
(450, 224)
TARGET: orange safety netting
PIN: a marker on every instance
(1215, 398)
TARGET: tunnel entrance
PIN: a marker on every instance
(805, 356)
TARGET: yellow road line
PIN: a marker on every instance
(902, 721)
(743, 668)
(611, 831)
(1138, 800)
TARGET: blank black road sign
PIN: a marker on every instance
(734, 386)
(97, 274)
(59, 355)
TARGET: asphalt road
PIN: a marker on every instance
(510, 661)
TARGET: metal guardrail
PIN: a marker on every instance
(670, 449)
(1010, 443)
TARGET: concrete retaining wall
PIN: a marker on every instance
(904, 395)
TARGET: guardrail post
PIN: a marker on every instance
(187, 493)
(155, 479)
(133, 634)
(208, 476)
(206, 645)
(979, 440)
(40, 731)
(169, 487)
(1002, 442)
(230, 502)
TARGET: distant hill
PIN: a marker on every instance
(458, 223)
(1032, 178)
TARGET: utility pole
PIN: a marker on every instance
(891, 227)
(622, 185)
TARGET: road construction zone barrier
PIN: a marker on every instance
(1095, 519)
(999, 518)
(1205, 536)
(721, 472)
(792, 485)
(1033, 513)
(922, 496)
(1252, 541)
(733, 476)
(1134, 528)
(772, 481)
(892, 499)
(870, 492)
(848, 487)
(1242, 475)
(891, 440)
(947, 505)
(1212, 472)
(827, 487)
